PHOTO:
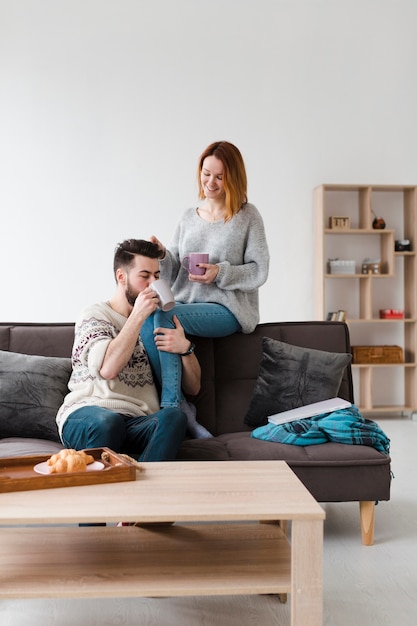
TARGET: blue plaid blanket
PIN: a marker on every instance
(343, 426)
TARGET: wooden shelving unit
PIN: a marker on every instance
(384, 388)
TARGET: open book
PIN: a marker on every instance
(309, 410)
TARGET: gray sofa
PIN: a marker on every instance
(333, 472)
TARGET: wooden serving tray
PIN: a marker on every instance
(17, 473)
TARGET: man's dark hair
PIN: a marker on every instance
(125, 252)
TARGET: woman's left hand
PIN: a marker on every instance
(210, 275)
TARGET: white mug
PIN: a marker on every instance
(164, 293)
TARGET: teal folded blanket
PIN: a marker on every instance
(343, 426)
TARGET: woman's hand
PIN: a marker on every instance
(209, 277)
(160, 245)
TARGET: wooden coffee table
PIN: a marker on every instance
(217, 545)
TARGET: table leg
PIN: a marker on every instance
(307, 573)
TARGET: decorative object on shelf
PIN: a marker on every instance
(336, 316)
(341, 266)
(377, 355)
(391, 314)
(339, 223)
(371, 266)
(378, 223)
(402, 245)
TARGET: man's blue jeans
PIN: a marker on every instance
(202, 319)
(155, 437)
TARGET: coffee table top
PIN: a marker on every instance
(173, 491)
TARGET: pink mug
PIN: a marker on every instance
(191, 261)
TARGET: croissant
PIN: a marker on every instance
(59, 467)
(62, 454)
(87, 457)
(69, 460)
(75, 463)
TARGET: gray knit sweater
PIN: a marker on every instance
(238, 247)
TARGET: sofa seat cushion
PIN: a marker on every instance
(25, 446)
(242, 447)
(332, 472)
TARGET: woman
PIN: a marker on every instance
(225, 299)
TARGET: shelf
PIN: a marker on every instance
(361, 276)
(385, 387)
(358, 231)
(111, 562)
(377, 410)
(382, 365)
(377, 320)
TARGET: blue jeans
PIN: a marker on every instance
(155, 437)
(202, 319)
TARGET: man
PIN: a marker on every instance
(113, 400)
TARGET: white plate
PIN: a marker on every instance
(43, 468)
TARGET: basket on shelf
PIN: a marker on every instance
(377, 354)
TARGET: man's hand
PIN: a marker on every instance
(172, 339)
(120, 348)
(146, 303)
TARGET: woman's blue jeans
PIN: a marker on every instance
(155, 437)
(202, 319)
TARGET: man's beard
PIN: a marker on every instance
(130, 294)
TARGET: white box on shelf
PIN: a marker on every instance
(339, 266)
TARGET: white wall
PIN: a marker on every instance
(105, 106)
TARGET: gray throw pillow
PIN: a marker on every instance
(291, 376)
(32, 388)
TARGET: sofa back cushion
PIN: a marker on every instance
(230, 365)
(293, 376)
(32, 389)
(230, 368)
(43, 339)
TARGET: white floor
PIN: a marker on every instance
(363, 586)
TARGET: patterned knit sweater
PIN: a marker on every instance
(238, 247)
(132, 392)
